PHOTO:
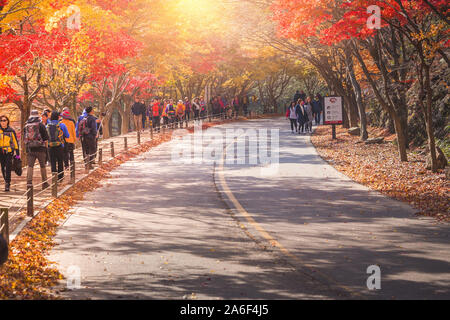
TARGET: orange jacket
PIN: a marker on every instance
(180, 109)
(70, 124)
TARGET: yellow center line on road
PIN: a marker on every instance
(266, 235)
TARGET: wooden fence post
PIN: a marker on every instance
(72, 173)
(4, 224)
(30, 210)
(100, 157)
(54, 185)
(112, 149)
(139, 137)
(125, 143)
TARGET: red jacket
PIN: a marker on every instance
(155, 109)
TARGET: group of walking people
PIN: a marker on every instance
(302, 111)
(49, 138)
(230, 107)
(167, 112)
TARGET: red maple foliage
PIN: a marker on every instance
(334, 21)
(20, 52)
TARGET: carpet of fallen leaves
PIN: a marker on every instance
(28, 274)
(378, 167)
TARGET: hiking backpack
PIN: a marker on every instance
(83, 128)
(55, 135)
(171, 110)
(11, 140)
(32, 135)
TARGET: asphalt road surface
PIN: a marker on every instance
(163, 228)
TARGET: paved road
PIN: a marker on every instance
(334, 228)
(159, 229)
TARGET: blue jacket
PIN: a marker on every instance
(317, 106)
(62, 126)
(300, 116)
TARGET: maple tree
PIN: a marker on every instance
(410, 33)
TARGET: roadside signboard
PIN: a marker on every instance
(333, 110)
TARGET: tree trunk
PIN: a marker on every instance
(353, 117)
(25, 109)
(107, 126)
(429, 118)
(359, 102)
(401, 139)
(399, 128)
(24, 114)
(345, 113)
(125, 122)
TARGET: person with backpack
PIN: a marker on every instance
(81, 117)
(156, 117)
(57, 133)
(203, 109)
(302, 116)
(69, 146)
(8, 146)
(143, 114)
(44, 118)
(171, 113)
(136, 110)
(292, 116)
(188, 107)
(164, 115)
(181, 111)
(88, 135)
(35, 138)
(196, 108)
(309, 112)
(317, 108)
